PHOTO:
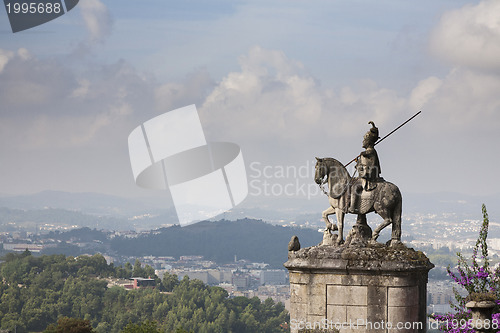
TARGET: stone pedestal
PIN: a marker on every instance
(358, 289)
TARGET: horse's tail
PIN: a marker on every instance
(396, 218)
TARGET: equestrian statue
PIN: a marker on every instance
(368, 192)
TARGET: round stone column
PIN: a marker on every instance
(374, 288)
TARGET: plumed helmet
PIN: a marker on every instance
(373, 133)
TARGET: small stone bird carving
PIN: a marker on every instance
(294, 244)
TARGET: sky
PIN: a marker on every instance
(286, 80)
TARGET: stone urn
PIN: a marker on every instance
(481, 315)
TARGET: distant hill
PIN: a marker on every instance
(90, 203)
(447, 202)
(157, 210)
(220, 241)
(31, 219)
(103, 204)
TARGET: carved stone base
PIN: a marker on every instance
(360, 234)
(359, 289)
(329, 239)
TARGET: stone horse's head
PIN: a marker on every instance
(320, 170)
(336, 175)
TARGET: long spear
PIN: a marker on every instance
(379, 141)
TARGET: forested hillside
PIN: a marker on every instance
(219, 241)
(36, 291)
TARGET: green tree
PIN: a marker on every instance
(144, 327)
(138, 271)
(169, 282)
(36, 291)
(128, 267)
(12, 322)
(70, 325)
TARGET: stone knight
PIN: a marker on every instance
(368, 167)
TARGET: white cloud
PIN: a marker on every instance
(269, 97)
(424, 90)
(82, 90)
(5, 56)
(192, 90)
(271, 106)
(278, 112)
(23, 82)
(465, 100)
(97, 19)
(75, 109)
(24, 54)
(470, 36)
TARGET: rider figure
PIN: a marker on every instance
(368, 167)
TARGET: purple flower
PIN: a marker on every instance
(482, 274)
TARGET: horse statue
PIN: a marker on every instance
(385, 199)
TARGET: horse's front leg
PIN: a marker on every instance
(340, 224)
(327, 212)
